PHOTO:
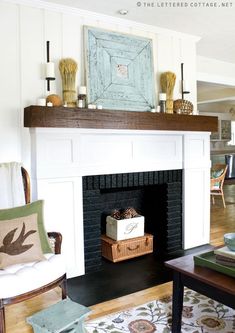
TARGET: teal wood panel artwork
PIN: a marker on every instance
(119, 70)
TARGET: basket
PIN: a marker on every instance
(183, 106)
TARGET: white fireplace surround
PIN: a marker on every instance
(62, 156)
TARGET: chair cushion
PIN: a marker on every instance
(216, 173)
(19, 241)
(215, 187)
(35, 207)
(21, 278)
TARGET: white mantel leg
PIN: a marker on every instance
(196, 190)
(64, 213)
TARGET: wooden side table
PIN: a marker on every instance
(64, 316)
(205, 281)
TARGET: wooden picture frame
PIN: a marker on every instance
(225, 130)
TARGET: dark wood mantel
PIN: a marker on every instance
(42, 116)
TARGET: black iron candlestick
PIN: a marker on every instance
(48, 60)
(183, 92)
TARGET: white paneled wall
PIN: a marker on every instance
(27, 25)
(213, 70)
(10, 88)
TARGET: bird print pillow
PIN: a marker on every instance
(19, 241)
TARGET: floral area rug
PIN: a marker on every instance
(200, 315)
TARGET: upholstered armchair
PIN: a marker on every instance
(21, 281)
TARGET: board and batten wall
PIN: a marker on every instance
(26, 26)
(215, 71)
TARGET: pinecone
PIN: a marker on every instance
(133, 212)
(116, 214)
(128, 213)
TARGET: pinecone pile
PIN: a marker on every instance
(122, 214)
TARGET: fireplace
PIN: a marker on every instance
(157, 195)
(73, 168)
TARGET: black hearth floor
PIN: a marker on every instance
(120, 279)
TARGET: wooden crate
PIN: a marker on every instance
(129, 248)
(124, 229)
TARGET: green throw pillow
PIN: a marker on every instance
(20, 241)
(35, 207)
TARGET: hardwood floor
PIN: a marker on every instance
(222, 221)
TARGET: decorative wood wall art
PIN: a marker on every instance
(225, 130)
(119, 70)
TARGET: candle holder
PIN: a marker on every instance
(81, 103)
(183, 92)
(50, 68)
(162, 102)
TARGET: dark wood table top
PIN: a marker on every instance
(185, 265)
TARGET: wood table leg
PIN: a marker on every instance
(2, 319)
(178, 294)
(64, 288)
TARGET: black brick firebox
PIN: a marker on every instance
(157, 195)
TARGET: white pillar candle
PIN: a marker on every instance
(50, 69)
(185, 85)
(91, 106)
(82, 90)
(162, 97)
